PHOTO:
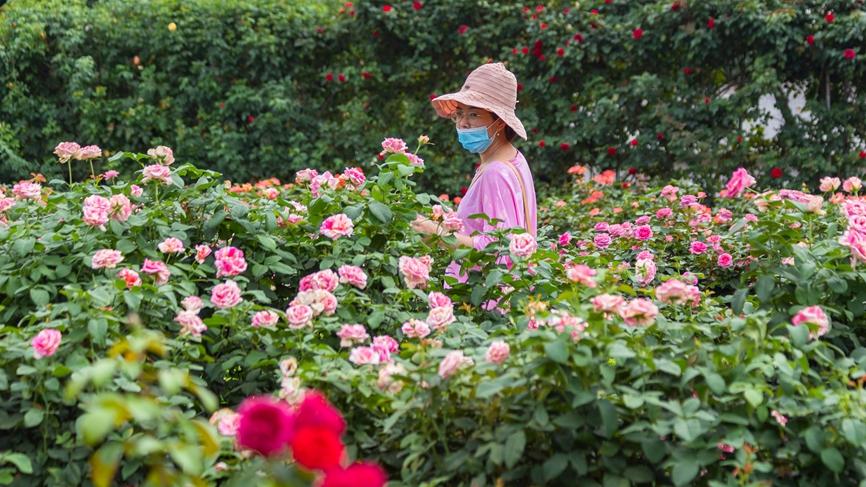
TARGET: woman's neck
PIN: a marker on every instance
(504, 150)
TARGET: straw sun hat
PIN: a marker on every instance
(491, 87)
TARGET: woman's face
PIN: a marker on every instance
(467, 117)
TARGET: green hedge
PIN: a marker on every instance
(241, 86)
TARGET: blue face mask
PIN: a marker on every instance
(475, 140)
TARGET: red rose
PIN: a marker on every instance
(560, 51)
(608, 2)
(637, 33)
(534, 130)
(358, 474)
(514, 51)
(711, 23)
(633, 142)
(687, 71)
(525, 50)
(849, 53)
(387, 8)
(632, 171)
(552, 79)
(539, 8)
(265, 425)
(433, 95)
(862, 154)
(250, 119)
(566, 10)
(329, 77)
(536, 48)
(739, 139)
(342, 78)
(366, 75)
(376, 34)
(830, 17)
(541, 143)
(660, 136)
(578, 38)
(463, 190)
(573, 108)
(594, 11)
(611, 151)
(317, 448)
(706, 100)
(564, 146)
(462, 29)
(315, 410)
(776, 172)
(810, 39)
(519, 87)
(675, 6)
(543, 26)
(416, 5)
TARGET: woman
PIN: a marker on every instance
(502, 187)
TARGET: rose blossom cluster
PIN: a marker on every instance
(452, 363)
(351, 178)
(522, 245)
(315, 294)
(378, 353)
(71, 150)
(162, 155)
(854, 236)
(188, 318)
(674, 291)
(312, 431)
(639, 312)
(393, 145)
(451, 222)
(158, 269)
(416, 270)
(815, 316)
(564, 322)
(580, 273)
(27, 190)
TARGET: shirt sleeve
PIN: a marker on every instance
(499, 196)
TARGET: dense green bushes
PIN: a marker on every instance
(244, 87)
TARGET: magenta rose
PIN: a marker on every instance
(265, 425)
(226, 295)
(45, 343)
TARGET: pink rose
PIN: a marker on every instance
(394, 145)
(45, 343)
(564, 239)
(452, 222)
(856, 243)
(136, 190)
(387, 382)
(439, 318)
(725, 260)
(326, 279)
(779, 417)
(522, 245)
(829, 184)
(643, 232)
(452, 363)
(26, 190)
(812, 315)
(438, 300)
(602, 240)
(725, 447)
(6, 203)
(607, 303)
(642, 220)
(171, 245)
(852, 185)
(353, 276)
(580, 273)
(264, 318)
(66, 151)
(226, 421)
(202, 251)
(96, 210)
(190, 323)
(88, 152)
(299, 315)
(601, 227)
(386, 343)
(305, 175)
(163, 155)
(639, 312)
(645, 271)
(120, 207)
(226, 295)
(110, 175)
(645, 255)
(130, 277)
(670, 192)
(415, 329)
(674, 291)
(192, 303)
(106, 259)
(266, 425)
(350, 334)
(664, 213)
(497, 352)
(319, 300)
(355, 176)
(158, 269)
(740, 180)
(337, 226)
(364, 356)
(230, 261)
(156, 172)
(697, 247)
(416, 270)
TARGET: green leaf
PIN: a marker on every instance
(40, 297)
(688, 429)
(33, 417)
(23, 246)
(833, 459)
(683, 472)
(381, 211)
(739, 300)
(514, 446)
(92, 427)
(754, 397)
(557, 351)
(554, 466)
(764, 287)
(715, 382)
(20, 460)
(609, 418)
(267, 242)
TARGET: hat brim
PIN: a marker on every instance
(446, 104)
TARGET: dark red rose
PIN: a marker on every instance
(776, 172)
(711, 23)
(541, 143)
(564, 146)
(416, 5)
(632, 171)
(637, 33)
(810, 39)
(611, 151)
(560, 51)
(317, 448)
(329, 77)
(830, 17)
(342, 78)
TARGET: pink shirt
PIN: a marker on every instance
(496, 193)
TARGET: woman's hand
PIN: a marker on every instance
(426, 226)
